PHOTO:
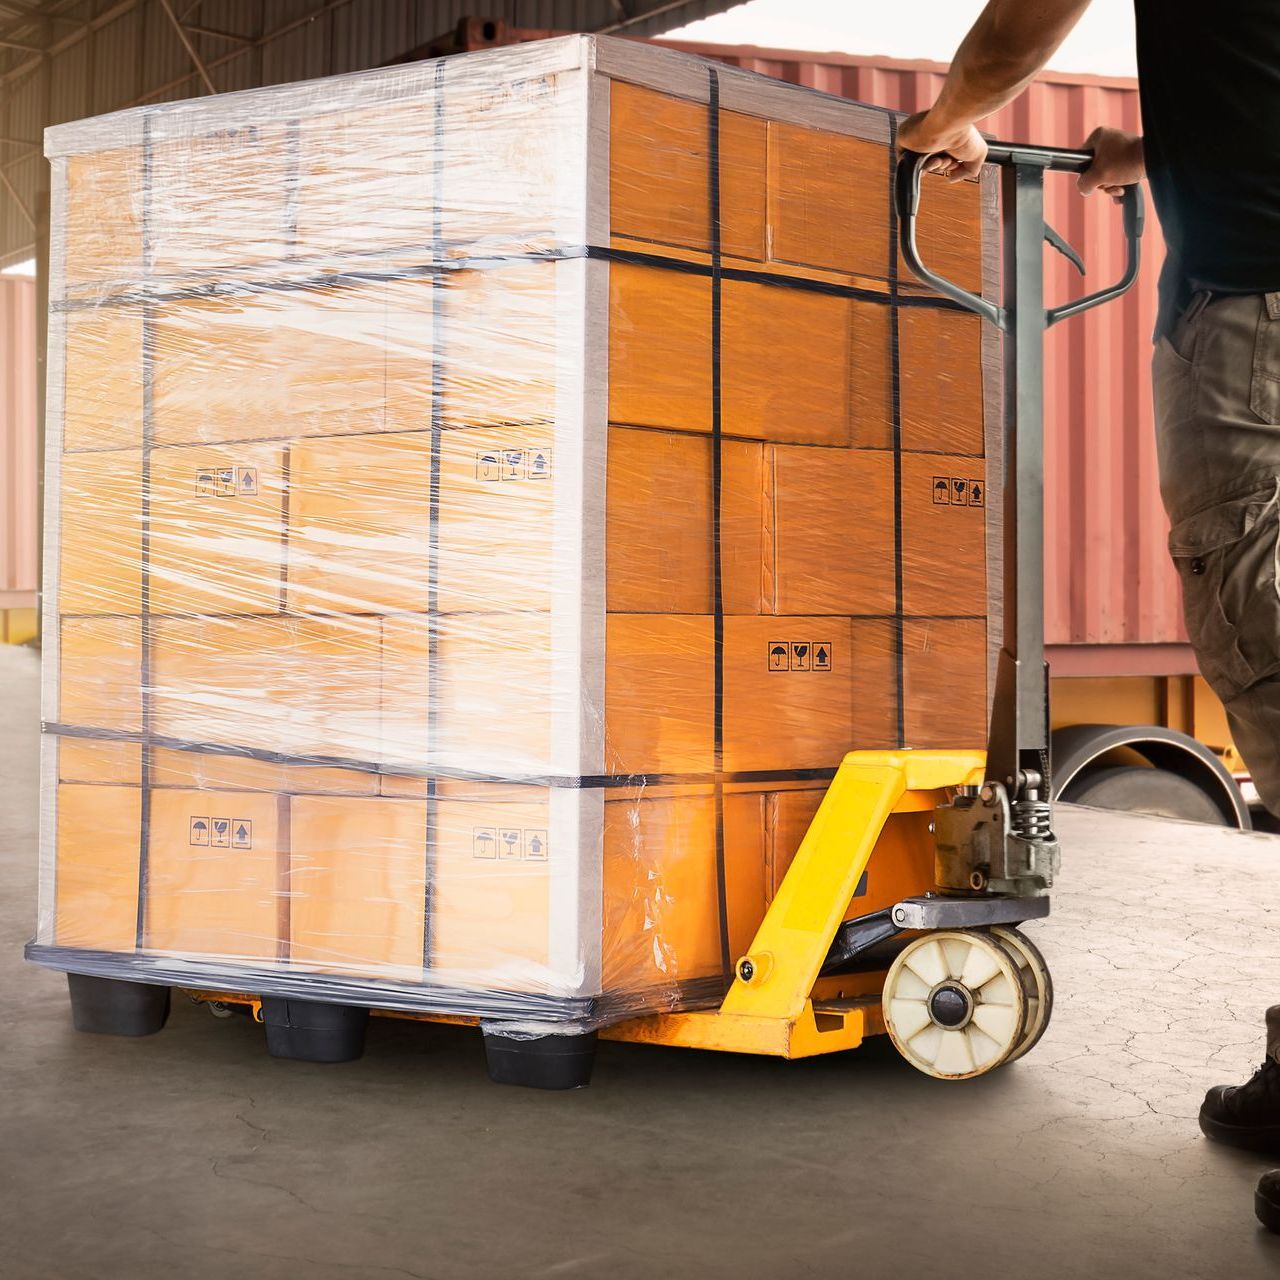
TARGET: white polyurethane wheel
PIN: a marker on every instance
(955, 1003)
(1039, 989)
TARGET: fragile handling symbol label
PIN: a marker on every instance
(800, 655)
(227, 482)
(958, 491)
(499, 466)
(220, 833)
(509, 844)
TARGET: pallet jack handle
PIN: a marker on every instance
(1001, 840)
(1012, 156)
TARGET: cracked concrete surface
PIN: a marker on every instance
(194, 1154)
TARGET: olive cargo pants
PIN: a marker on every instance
(1217, 403)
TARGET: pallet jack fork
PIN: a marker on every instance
(965, 990)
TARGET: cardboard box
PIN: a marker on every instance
(871, 392)
(357, 885)
(503, 347)
(658, 535)
(940, 665)
(941, 372)
(283, 363)
(659, 348)
(786, 364)
(408, 674)
(661, 914)
(497, 691)
(661, 921)
(659, 693)
(217, 529)
(807, 530)
(90, 760)
(103, 212)
(944, 535)
(203, 183)
(946, 682)
(658, 178)
(360, 527)
(497, 519)
(100, 537)
(491, 899)
(215, 874)
(829, 200)
(96, 890)
(381, 159)
(359, 523)
(299, 686)
(787, 692)
(100, 674)
(876, 662)
(102, 405)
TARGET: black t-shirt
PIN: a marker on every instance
(1209, 77)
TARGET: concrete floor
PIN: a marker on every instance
(193, 1154)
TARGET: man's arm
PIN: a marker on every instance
(1009, 43)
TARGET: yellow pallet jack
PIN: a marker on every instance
(965, 990)
(965, 836)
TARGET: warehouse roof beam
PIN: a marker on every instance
(167, 6)
(215, 34)
(14, 74)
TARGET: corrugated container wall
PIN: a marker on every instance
(18, 495)
(1110, 592)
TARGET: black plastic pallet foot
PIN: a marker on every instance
(310, 1032)
(540, 1062)
(114, 1007)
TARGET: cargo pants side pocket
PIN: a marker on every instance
(1264, 388)
(1226, 558)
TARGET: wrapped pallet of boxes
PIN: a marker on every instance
(487, 497)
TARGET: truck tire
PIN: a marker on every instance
(1145, 769)
(1154, 791)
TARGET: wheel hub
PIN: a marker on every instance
(950, 1006)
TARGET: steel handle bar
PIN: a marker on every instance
(1057, 159)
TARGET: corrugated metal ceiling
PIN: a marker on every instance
(66, 59)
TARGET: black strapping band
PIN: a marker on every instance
(717, 476)
(444, 266)
(638, 258)
(433, 516)
(895, 362)
(564, 781)
(144, 554)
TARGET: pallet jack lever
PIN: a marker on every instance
(998, 838)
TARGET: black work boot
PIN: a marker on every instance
(1248, 1115)
(1266, 1201)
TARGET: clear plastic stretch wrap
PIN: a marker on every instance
(486, 498)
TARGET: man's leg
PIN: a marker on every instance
(1217, 399)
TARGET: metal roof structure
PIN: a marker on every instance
(67, 59)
